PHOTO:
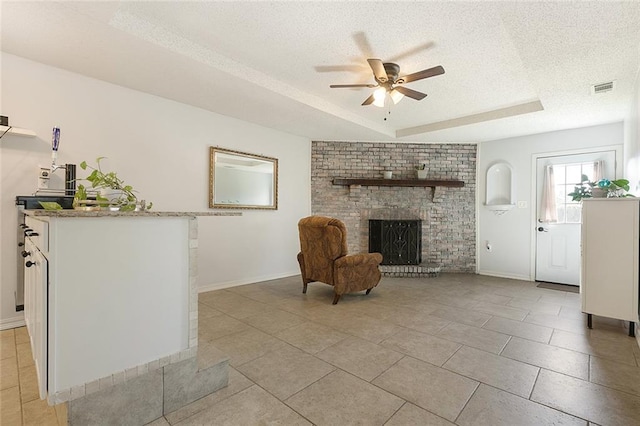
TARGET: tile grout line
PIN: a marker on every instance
(505, 346)
(540, 403)
(534, 383)
(396, 412)
(467, 401)
(15, 344)
(451, 356)
(282, 401)
(392, 365)
(479, 381)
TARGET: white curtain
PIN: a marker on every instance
(548, 211)
(598, 170)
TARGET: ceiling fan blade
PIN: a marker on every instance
(340, 68)
(423, 74)
(343, 86)
(414, 94)
(378, 70)
(368, 101)
(411, 52)
(363, 44)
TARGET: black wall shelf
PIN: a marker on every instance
(398, 182)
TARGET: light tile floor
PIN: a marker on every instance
(19, 398)
(458, 349)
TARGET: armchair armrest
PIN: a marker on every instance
(356, 272)
(355, 260)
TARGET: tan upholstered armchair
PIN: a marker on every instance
(323, 257)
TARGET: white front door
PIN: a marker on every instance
(558, 253)
(558, 242)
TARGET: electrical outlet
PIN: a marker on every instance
(44, 174)
(522, 204)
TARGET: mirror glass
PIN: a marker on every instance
(238, 180)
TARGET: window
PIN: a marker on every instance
(567, 177)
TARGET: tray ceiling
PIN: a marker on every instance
(512, 68)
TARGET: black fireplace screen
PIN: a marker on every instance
(399, 241)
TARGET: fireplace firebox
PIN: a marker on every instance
(399, 241)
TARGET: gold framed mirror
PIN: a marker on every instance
(239, 180)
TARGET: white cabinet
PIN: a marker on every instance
(36, 312)
(610, 249)
(108, 294)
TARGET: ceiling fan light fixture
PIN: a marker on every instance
(396, 96)
(389, 81)
(379, 96)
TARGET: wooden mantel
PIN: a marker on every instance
(398, 182)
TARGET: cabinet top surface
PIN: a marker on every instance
(609, 200)
(106, 213)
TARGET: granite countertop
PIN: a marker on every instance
(107, 213)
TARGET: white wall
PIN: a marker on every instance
(510, 234)
(632, 140)
(161, 148)
(632, 147)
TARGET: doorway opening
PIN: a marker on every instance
(558, 218)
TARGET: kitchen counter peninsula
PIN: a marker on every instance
(111, 305)
(108, 213)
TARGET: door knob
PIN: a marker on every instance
(29, 264)
(25, 253)
(541, 229)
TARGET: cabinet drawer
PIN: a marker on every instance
(41, 228)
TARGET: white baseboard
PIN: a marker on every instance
(503, 275)
(13, 322)
(253, 280)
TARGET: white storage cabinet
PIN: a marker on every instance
(610, 249)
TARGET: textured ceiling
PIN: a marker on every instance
(512, 68)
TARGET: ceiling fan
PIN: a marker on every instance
(388, 81)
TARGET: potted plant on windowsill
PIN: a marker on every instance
(111, 191)
(421, 169)
(604, 188)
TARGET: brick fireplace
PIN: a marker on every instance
(447, 214)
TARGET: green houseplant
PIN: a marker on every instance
(112, 192)
(602, 188)
(421, 169)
